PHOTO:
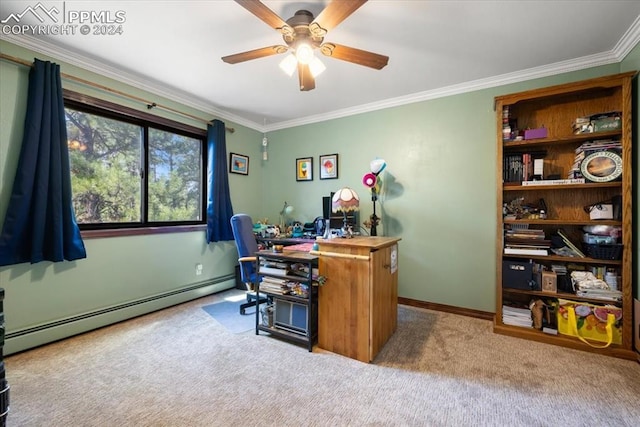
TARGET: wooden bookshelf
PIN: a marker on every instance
(555, 108)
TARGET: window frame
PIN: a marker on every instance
(101, 107)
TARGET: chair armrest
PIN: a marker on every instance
(247, 259)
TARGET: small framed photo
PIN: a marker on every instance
(238, 164)
(304, 169)
(329, 166)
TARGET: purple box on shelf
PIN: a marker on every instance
(535, 133)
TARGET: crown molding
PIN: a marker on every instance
(501, 80)
(628, 41)
(140, 82)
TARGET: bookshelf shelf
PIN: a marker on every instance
(285, 297)
(564, 295)
(556, 108)
(529, 144)
(282, 333)
(561, 340)
(563, 222)
(575, 260)
(572, 187)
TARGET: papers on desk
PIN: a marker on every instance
(302, 247)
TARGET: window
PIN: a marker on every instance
(132, 169)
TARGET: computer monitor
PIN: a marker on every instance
(336, 219)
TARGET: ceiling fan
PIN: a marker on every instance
(302, 34)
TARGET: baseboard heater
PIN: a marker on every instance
(24, 339)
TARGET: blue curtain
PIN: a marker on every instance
(219, 210)
(40, 224)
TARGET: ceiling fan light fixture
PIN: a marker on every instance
(289, 64)
(302, 34)
(316, 67)
(304, 53)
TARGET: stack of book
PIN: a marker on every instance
(600, 294)
(600, 122)
(506, 127)
(274, 285)
(519, 167)
(590, 147)
(273, 267)
(517, 316)
(582, 125)
(526, 242)
(270, 284)
(567, 181)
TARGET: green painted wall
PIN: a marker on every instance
(440, 185)
(117, 270)
(439, 197)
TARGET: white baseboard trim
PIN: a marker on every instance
(17, 341)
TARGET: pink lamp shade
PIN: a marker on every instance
(345, 200)
(369, 180)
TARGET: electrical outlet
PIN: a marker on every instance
(198, 269)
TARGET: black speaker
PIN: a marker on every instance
(326, 207)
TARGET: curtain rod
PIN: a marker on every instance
(149, 105)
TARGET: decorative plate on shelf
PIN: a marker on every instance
(602, 166)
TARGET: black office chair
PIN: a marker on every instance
(242, 227)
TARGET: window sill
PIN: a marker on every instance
(121, 232)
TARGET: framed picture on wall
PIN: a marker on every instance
(304, 169)
(329, 166)
(238, 164)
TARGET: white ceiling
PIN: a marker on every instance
(436, 48)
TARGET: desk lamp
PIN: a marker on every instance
(345, 200)
(286, 211)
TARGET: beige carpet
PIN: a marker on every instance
(179, 367)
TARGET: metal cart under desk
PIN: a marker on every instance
(292, 315)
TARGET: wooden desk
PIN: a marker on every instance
(358, 304)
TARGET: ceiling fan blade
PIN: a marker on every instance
(307, 82)
(255, 54)
(335, 12)
(265, 14)
(357, 56)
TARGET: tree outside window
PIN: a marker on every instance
(128, 172)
